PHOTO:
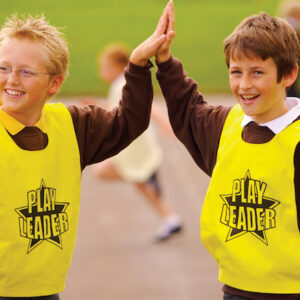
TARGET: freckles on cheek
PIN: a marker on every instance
(232, 86)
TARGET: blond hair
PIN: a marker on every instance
(39, 30)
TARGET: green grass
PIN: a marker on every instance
(89, 25)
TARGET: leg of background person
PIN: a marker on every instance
(150, 193)
(105, 170)
(171, 222)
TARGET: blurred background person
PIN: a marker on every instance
(290, 11)
(139, 163)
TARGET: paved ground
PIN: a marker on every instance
(114, 257)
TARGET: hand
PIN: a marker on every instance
(163, 53)
(149, 47)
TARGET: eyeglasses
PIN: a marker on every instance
(22, 72)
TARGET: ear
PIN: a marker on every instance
(289, 79)
(55, 84)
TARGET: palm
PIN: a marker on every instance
(159, 42)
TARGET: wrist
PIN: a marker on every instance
(161, 58)
(138, 61)
(166, 65)
(134, 68)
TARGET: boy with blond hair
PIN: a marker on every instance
(251, 214)
(44, 148)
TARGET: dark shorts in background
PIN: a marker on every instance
(153, 181)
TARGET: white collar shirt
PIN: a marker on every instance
(280, 123)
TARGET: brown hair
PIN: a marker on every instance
(266, 37)
(39, 30)
(117, 52)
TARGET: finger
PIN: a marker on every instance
(170, 5)
(167, 44)
(156, 44)
(162, 23)
(170, 38)
(171, 18)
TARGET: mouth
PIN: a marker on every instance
(248, 99)
(13, 93)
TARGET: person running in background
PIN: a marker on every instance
(140, 162)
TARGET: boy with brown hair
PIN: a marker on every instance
(44, 148)
(251, 215)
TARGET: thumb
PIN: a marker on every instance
(168, 41)
(169, 38)
(157, 43)
(163, 53)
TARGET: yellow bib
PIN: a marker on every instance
(39, 204)
(249, 217)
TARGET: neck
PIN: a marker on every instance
(283, 109)
(26, 119)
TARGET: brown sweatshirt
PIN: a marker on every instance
(199, 126)
(101, 133)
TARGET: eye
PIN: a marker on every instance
(26, 72)
(258, 73)
(4, 70)
(235, 72)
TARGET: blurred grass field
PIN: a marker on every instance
(89, 25)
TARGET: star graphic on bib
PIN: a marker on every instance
(43, 219)
(248, 210)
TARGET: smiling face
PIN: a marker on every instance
(255, 85)
(24, 97)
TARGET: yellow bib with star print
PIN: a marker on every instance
(39, 204)
(249, 217)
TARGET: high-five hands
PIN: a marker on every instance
(163, 53)
(159, 42)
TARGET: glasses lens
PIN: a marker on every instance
(26, 73)
(4, 70)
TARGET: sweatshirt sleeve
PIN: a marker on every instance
(103, 133)
(195, 123)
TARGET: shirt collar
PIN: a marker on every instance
(279, 124)
(13, 126)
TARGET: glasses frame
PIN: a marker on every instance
(21, 72)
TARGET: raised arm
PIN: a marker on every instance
(195, 123)
(101, 133)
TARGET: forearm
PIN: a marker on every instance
(195, 123)
(179, 91)
(101, 133)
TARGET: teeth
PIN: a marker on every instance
(14, 93)
(248, 97)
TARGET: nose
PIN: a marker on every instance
(12, 77)
(245, 83)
